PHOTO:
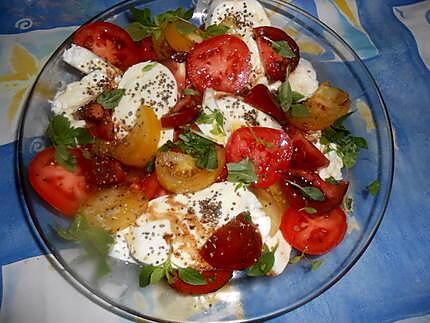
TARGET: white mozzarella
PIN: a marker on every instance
(304, 79)
(80, 93)
(188, 221)
(282, 253)
(244, 14)
(86, 61)
(119, 248)
(236, 114)
(334, 169)
(257, 75)
(147, 83)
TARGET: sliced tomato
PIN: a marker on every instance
(98, 121)
(65, 191)
(262, 99)
(149, 185)
(146, 50)
(313, 234)
(333, 193)
(179, 71)
(108, 41)
(269, 149)
(184, 112)
(274, 64)
(215, 280)
(236, 245)
(221, 63)
(105, 171)
(305, 156)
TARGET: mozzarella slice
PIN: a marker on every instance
(180, 224)
(148, 83)
(243, 15)
(282, 253)
(80, 93)
(257, 75)
(236, 114)
(119, 248)
(304, 79)
(86, 61)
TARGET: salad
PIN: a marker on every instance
(197, 151)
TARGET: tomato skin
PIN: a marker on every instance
(108, 41)
(65, 191)
(184, 112)
(333, 193)
(305, 155)
(314, 234)
(150, 186)
(236, 245)
(262, 99)
(269, 161)
(98, 121)
(274, 64)
(215, 278)
(179, 71)
(221, 63)
(105, 171)
(146, 50)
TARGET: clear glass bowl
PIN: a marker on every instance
(245, 298)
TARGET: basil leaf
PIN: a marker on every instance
(299, 110)
(191, 276)
(331, 180)
(145, 275)
(64, 158)
(216, 118)
(347, 204)
(308, 210)
(264, 264)
(150, 166)
(373, 188)
(157, 275)
(296, 96)
(201, 149)
(285, 96)
(215, 30)
(110, 99)
(296, 259)
(186, 29)
(316, 264)
(137, 31)
(283, 48)
(142, 16)
(311, 192)
(242, 172)
(148, 67)
(190, 92)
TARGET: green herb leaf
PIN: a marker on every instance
(215, 30)
(186, 29)
(190, 92)
(264, 263)
(145, 275)
(191, 276)
(373, 188)
(299, 110)
(157, 275)
(311, 192)
(142, 16)
(137, 31)
(242, 172)
(148, 67)
(316, 264)
(331, 180)
(347, 204)
(308, 210)
(201, 149)
(150, 166)
(283, 48)
(110, 99)
(65, 158)
(216, 118)
(248, 217)
(296, 259)
(167, 146)
(285, 96)
(297, 96)
(95, 240)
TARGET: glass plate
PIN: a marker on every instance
(244, 298)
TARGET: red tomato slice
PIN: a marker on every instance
(305, 156)
(262, 99)
(313, 234)
(149, 185)
(221, 63)
(274, 64)
(333, 193)
(215, 278)
(146, 50)
(184, 112)
(236, 245)
(269, 149)
(179, 71)
(63, 190)
(98, 121)
(105, 171)
(108, 41)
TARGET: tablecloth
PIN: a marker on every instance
(390, 282)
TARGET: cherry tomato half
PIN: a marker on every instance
(313, 234)
(215, 280)
(269, 149)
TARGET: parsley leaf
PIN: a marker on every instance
(110, 99)
(215, 30)
(311, 192)
(264, 264)
(95, 240)
(201, 149)
(63, 137)
(242, 172)
(283, 48)
(373, 188)
(216, 118)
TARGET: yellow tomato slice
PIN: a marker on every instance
(179, 34)
(178, 173)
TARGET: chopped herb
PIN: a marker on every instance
(150, 166)
(145, 275)
(264, 264)
(215, 30)
(316, 264)
(145, 25)
(167, 146)
(247, 216)
(201, 149)
(186, 29)
(288, 99)
(331, 180)
(95, 240)
(311, 192)
(216, 118)
(148, 67)
(373, 188)
(347, 204)
(86, 154)
(297, 96)
(242, 172)
(110, 99)
(283, 48)
(63, 137)
(191, 276)
(308, 210)
(347, 146)
(190, 92)
(296, 259)
(299, 110)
